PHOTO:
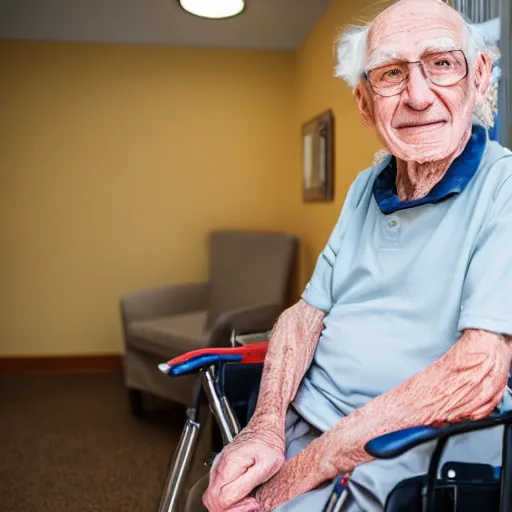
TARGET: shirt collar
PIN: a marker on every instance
(459, 174)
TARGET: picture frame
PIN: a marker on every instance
(318, 158)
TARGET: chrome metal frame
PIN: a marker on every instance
(184, 454)
(219, 405)
(181, 464)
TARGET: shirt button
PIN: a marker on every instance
(393, 224)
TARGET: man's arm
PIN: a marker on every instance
(257, 453)
(290, 352)
(468, 382)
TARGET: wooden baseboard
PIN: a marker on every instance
(61, 363)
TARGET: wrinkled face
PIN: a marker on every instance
(424, 122)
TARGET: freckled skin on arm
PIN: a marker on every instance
(289, 356)
(468, 382)
(257, 453)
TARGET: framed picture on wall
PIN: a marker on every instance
(318, 158)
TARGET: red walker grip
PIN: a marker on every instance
(252, 353)
(255, 352)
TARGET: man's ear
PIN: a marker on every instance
(363, 104)
(482, 73)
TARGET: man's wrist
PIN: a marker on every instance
(324, 459)
(269, 424)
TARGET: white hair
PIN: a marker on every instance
(351, 49)
(351, 54)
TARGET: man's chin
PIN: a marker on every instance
(423, 152)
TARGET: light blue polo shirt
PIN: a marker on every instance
(400, 281)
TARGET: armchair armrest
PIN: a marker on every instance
(394, 444)
(244, 320)
(163, 301)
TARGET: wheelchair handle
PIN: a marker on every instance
(389, 446)
(203, 358)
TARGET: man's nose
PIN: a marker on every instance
(418, 94)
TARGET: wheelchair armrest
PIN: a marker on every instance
(394, 444)
(201, 359)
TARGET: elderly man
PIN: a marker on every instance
(408, 315)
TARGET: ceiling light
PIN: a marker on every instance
(215, 9)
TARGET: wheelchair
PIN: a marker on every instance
(229, 382)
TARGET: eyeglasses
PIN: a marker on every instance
(441, 68)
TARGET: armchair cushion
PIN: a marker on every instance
(169, 336)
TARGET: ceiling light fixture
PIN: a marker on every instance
(215, 9)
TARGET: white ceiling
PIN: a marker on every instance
(265, 24)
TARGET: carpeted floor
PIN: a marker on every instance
(68, 443)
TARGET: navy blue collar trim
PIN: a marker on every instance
(459, 174)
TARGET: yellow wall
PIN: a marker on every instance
(115, 162)
(317, 90)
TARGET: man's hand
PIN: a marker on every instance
(254, 456)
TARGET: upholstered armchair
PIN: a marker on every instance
(249, 277)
